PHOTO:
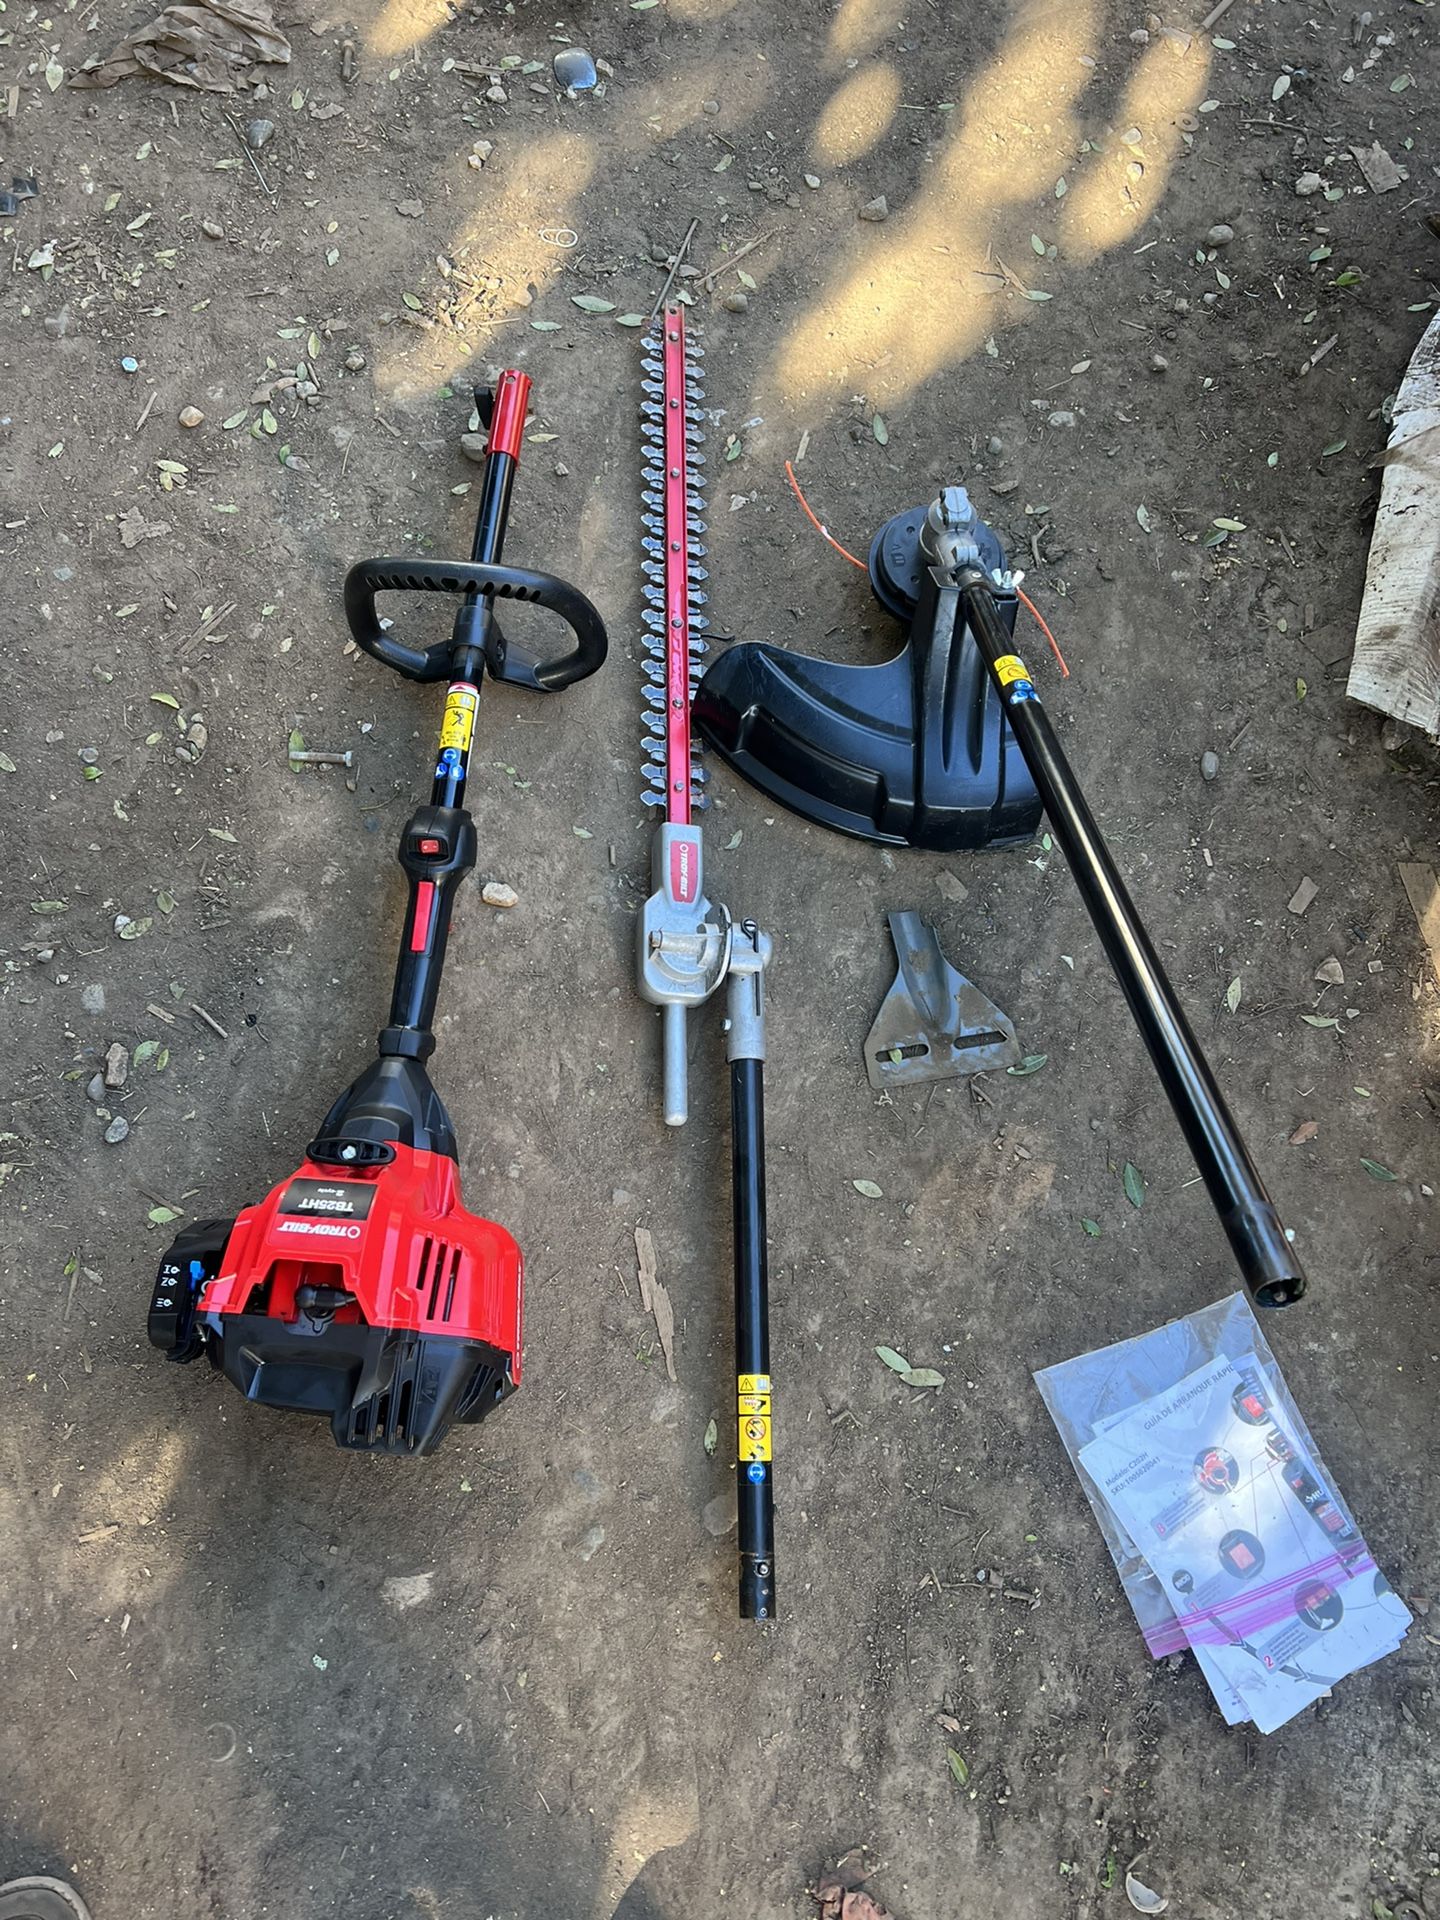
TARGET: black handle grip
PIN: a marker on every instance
(506, 662)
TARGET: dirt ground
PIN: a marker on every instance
(246, 1674)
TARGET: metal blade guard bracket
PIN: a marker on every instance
(916, 752)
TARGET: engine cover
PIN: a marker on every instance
(359, 1287)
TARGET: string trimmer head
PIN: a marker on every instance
(915, 752)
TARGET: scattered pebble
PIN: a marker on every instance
(720, 1515)
(1209, 764)
(1158, 363)
(735, 303)
(58, 325)
(117, 1130)
(495, 893)
(561, 470)
(257, 133)
(92, 998)
(876, 209)
(479, 154)
(812, 180)
(412, 209)
(574, 70)
(212, 229)
(1220, 235)
(1061, 419)
(1331, 972)
(995, 444)
(710, 106)
(95, 1088)
(1308, 183)
(474, 446)
(1303, 896)
(497, 93)
(355, 360)
(117, 1065)
(191, 417)
(1140, 36)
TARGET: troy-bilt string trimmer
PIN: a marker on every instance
(689, 945)
(945, 747)
(360, 1288)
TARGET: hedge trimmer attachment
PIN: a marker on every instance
(359, 1287)
(688, 945)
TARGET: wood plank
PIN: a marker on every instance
(1396, 667)
(1423, 892)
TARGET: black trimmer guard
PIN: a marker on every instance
(916, 752)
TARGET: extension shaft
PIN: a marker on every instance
(1267, 1261)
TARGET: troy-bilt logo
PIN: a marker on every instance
(682, 870)
(327, 1229)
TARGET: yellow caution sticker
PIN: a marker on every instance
(1010, 667)
(458, 726)
(753, 1406)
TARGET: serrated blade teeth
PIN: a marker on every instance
(655, 388)
(655, 596)
(698, 599)
(654, 697)
(653, 523)
(700, 624)
(655, 621)
(653, 723)
(653, 569)
(696, 574)
(695, 437)
(654, 671)
(692, 525)
(698, 646)
(651, 799)
(694, 350)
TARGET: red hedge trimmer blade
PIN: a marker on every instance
(672, 427)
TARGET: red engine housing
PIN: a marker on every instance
(396, 1240)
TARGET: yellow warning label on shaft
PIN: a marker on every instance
(459, 723)
(753, 1406)
(1010, 667)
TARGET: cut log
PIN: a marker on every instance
(1396, 667)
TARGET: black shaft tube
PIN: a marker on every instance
(1272, 1273)
(476, 612)
(753, 1465)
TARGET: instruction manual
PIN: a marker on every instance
(1228, 1532)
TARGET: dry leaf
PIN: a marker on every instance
(653, 1296)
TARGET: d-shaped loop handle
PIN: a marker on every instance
(514, 664)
